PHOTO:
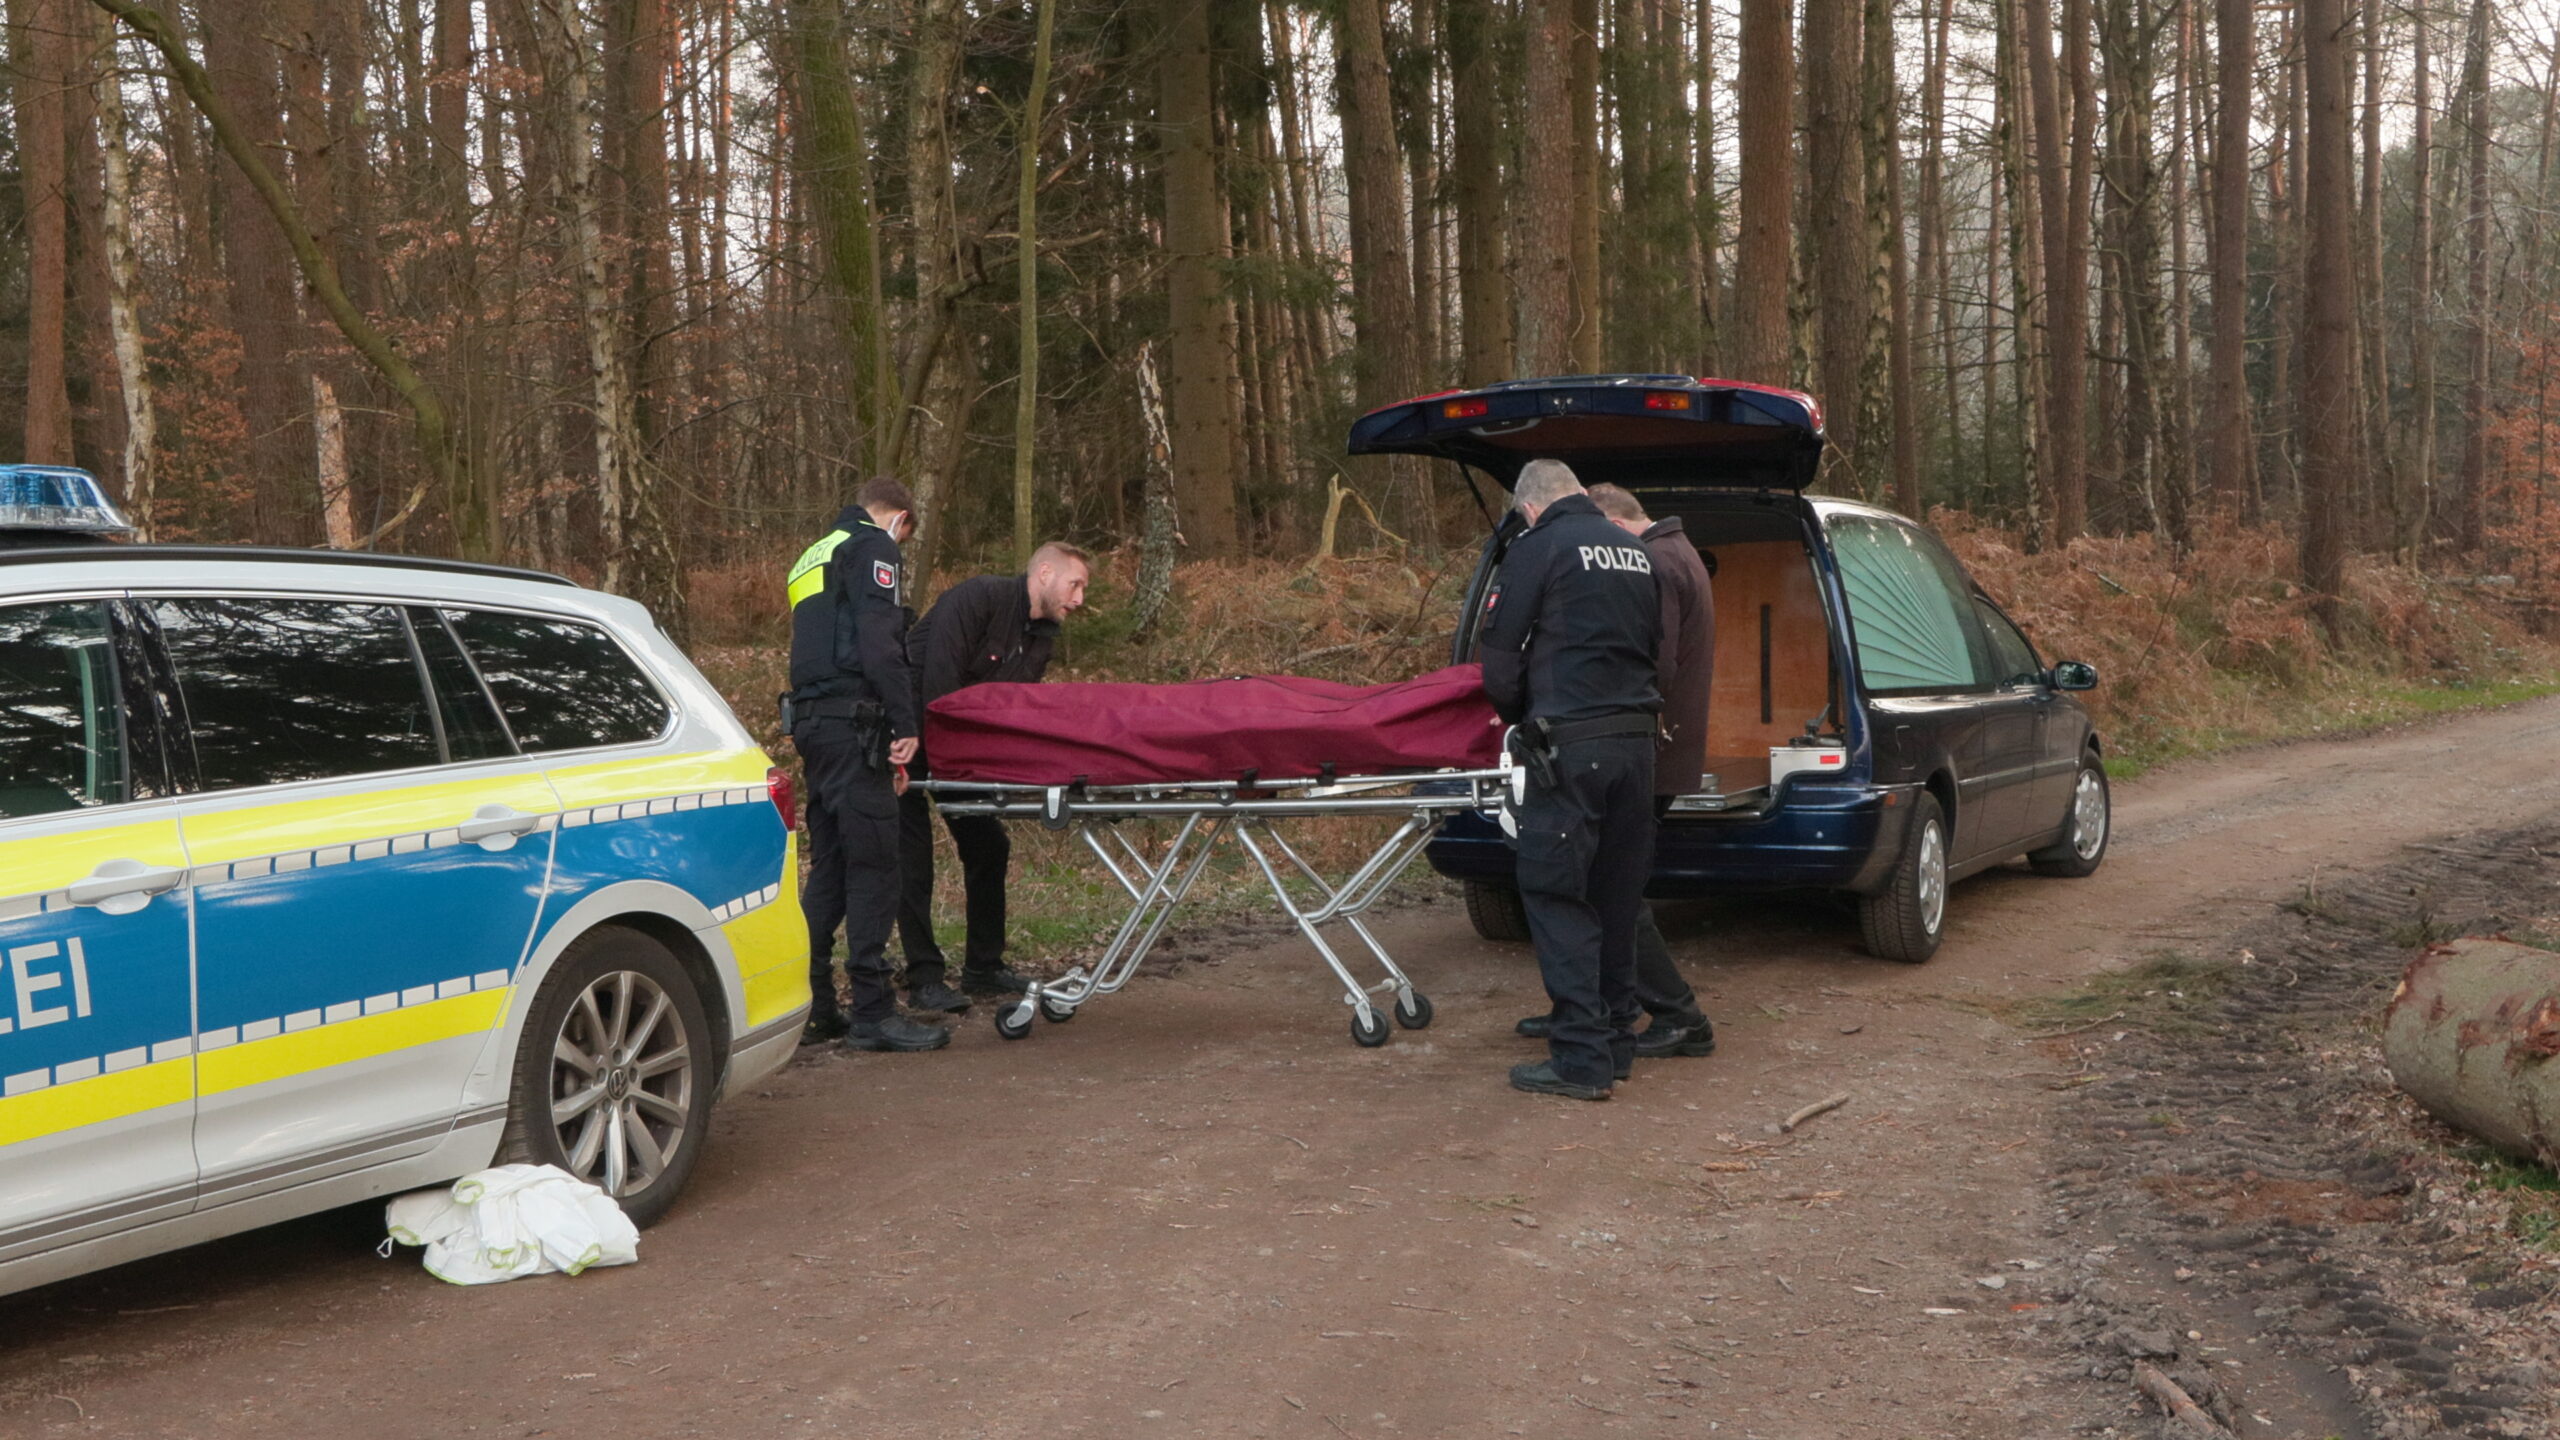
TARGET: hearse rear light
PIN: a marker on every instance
(1464, 409)
(1666, 400)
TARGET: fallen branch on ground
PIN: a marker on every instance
(2181, 1407)
(1818, 1107)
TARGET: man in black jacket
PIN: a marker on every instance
(995, 627)
(852, 714)
(1570, 631)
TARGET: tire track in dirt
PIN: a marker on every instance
(1199, 1211)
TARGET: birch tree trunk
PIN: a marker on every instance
(2475, 392)
(2417, 498)
(616, 428)
(124, 291)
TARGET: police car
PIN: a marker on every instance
(325, 876)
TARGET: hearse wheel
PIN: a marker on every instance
(1906, 920)
(2084, 845)
(1495, 910)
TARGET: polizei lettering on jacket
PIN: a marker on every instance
(1615, 557)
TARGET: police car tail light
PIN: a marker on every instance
(777, 785)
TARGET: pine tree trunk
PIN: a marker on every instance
(1834, 60)
(1583, 106)
(2417, 496)
(261, 292)
(1484, 281)
(1765, 247)
(2475, 394)
(43, 151)
(833, 164)
(1708, 206)
(2376, 483)
(2330, 432)
(1545, 264)
(2235, 41)
(1892, 257)
(1026, 385)
(1200, 355)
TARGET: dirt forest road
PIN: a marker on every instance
(1199, 1211)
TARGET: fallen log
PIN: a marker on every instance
(2471, 1035)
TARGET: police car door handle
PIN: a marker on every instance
(120, 887)
(497, 822)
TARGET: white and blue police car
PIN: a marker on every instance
(325, 876)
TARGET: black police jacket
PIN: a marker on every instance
(980, 630)
(848, 630)
(1572, 621)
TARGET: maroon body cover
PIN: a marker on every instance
(1278, 726)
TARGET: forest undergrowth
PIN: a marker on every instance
(2196, 653)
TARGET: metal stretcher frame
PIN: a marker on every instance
(1251, 811)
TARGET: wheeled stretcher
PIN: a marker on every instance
(1251, 812)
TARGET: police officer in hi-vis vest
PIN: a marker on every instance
(851, 711)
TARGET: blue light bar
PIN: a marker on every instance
(56, 497)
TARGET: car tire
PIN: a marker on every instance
(1496, 912)
(2091, 823)
(619, 1039)
(1908, 917)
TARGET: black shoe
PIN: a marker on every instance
(896, 1033)
(1664, 1038)
(937, 996)
(1626, 1069)
(823, 1026)
(1535, 1027)
(1002, 980)
(1540, 1078)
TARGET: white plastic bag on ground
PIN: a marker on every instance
(511, 1221)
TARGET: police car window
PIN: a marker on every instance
(561, 684)
(2013, 660)
(283, 690)
(471, 728)
(61, 733)
(1910, 607)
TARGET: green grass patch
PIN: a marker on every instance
(2531, 1192)
(2342, 702)
(2166, 991)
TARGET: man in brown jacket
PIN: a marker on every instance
(1684, 672)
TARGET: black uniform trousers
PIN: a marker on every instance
(853, 867)
(1660, 987)
(1586, 849)
(986, 858)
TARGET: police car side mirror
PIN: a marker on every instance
(2074, 675)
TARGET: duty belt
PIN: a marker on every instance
(1607, 727)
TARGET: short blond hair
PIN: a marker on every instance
(1617, 502)
(1053, 551)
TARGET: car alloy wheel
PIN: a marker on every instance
(1930, 871)
(622, 1076)
(2089, 816)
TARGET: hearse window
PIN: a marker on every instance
(61, 732)
(2013, 660)
(1910, 607)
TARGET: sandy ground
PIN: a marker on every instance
(1200, 1211)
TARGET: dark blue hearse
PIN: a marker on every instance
(1876, 726)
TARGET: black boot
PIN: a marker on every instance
(1665, 1038)
(826, 1021)
(895, 1033)
(1540, 1078)
(937, 996)
(1535, 1027)
(1002, 980)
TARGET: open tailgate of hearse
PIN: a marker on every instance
(1639, 431)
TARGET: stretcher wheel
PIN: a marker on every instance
(1013, 1021)
(1056, 1012)
(1418, 1017)
(1369, 1030)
